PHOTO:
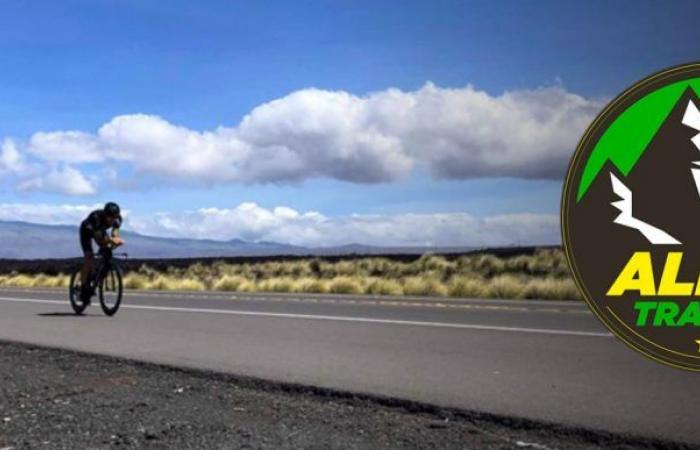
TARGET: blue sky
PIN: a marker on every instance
(76, 65)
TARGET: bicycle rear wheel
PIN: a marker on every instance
(74, 291)
(111, 290)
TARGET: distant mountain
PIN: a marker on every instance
(22, 240)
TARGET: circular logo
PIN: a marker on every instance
(631, 216)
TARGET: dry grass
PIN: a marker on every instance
(27, 281)
(543, 275)
(507, 286)
(345, 285)
(282, 284)
(135, 281)
(229, 283)
(426, 286)
(381, 286)
(170, 283)
(552, 289)
(468, 287)
(311, 285)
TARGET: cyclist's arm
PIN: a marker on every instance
(115, 232)
(101, 238)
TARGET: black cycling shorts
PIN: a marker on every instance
(86, 237)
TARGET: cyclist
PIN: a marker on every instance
(95, 227)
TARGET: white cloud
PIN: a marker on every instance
(252, 222)
(380, 137)
(45, 213)
(64, 179)
(11, 160)
(67, 146)
(323, 133)
(465, 133)
(246, 221)
(154, 146)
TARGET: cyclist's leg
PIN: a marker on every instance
(88, 261)
(88, 264)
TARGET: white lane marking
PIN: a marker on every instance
(336, 318)
(223, 295)
(397, 302)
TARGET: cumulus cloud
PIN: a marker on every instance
(11, 160)
(67, 146)
(254, 223)
(44, 213)
(285, 225)
(380, 137)
(465, 133)
(64, 179)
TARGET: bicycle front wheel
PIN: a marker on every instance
(74, 291)
(111, 290)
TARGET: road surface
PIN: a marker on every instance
(541, 360)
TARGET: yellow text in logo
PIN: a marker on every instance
(638, 276)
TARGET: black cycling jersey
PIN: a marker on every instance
(96, 222)
(95, 227)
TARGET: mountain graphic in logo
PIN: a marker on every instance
(672, 202)
(631, 217)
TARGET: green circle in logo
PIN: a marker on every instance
(631, 216)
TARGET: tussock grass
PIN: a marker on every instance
(544, 275)
(135, 281)
(345, 285)
(506, 286)
(468, 287)
(169, 283)
(229, 283)
(552, 289)
(282, 284)
(247, 286)
(311, 285)
(20, 281)
(40, 280)
(381, 286)
(424, 286)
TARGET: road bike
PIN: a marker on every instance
(105, 281)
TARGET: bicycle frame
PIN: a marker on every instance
(105, 277)
(105, 257)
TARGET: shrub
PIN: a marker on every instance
(552, 289)
(188, 284)
(345, 285)
(247, 286)
(20, 281)
(488, 265)
(315, 267)
(427, 286)
(382, 286)
(174, 284)
(229, 283)
(468, 287)
(311, 285)
(282, 284)
(545, 275)
(507, 286)
(135, 281)
(62, 280)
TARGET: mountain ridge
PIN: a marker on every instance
(28, 240)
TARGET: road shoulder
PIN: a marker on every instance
(67, 399)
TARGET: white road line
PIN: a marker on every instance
(335, 318)
(426, 303)
(223, 295)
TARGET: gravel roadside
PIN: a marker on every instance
(52, 398)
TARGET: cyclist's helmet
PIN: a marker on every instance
(112, 209)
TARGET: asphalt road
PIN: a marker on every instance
(541, 360)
